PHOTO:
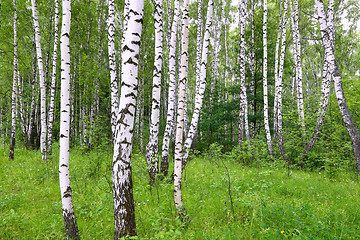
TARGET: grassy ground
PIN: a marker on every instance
(267, 202)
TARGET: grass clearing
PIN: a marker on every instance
(269, 201)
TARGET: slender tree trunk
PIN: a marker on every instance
(170, 119)
(326, 35)
(199, 97)
(71, 228)
(297, 62)
(198, 43)
(53, 81)
(243, 115)
(180, 113)
(112, 67)
(153, 145)
(41, 81)
(252, 70)
(124, 209)
(279, 84)
(14, 89)
(325, 85)
(265, 84)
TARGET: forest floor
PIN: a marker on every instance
(224, 200)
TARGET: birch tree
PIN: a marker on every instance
(265, 82)
(53, 81)
(326, 35)
(112, 66)
(278, 81)
(199, 96)
(153, 144)
(14, 88)
(41, 81)
(71, 228)
(124, 209)
(180, 112)
(297, 62)
(170, 118)
(325, 84)
(243, 113)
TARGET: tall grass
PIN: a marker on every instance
(269, 202)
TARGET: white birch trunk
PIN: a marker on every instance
(53, 81)
(325, 84)
(326, 35)
(180, 112)
(297, 62)
(170, 118)
(252, 69)
(152, 147)
(14, 89)
(112, 67)
(198, 43)
(199, 96)
(243, 115)
(279, 83)
(265, 83)
(41, 82)
(124, 209)
(71, 228)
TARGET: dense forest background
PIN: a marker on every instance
(231, 118)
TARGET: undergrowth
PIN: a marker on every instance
(225, 198)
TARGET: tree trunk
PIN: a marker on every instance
(170, 118)
(41, 82)
(180, 113)
(243, 116)
(112, 67)
(326, 35)
(199, 97)
(265, 84)
(14, 89)
(71, 228)
(124, 209)
(53, 81)
(279, 84)
(152, 147)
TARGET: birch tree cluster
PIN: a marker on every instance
(277, 79)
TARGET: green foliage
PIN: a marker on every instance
(268, 202)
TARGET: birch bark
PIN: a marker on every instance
(71, 228)
(41, 81)
(243, 115)
(170, 118)
(153, 145)
(112, 66)
(14, 89)
(199, 97)
(124, 209)
(180, 112)
(53, 81)
(265, 83)
(326, 35)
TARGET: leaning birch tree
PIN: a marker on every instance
(41, 81)
(199, 96)
(180, 112)
(326, 35)
(71, 227)
(152, 147)
(124, 209)
(14, 89)
(170, 117)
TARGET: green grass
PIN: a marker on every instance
(269, 203)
